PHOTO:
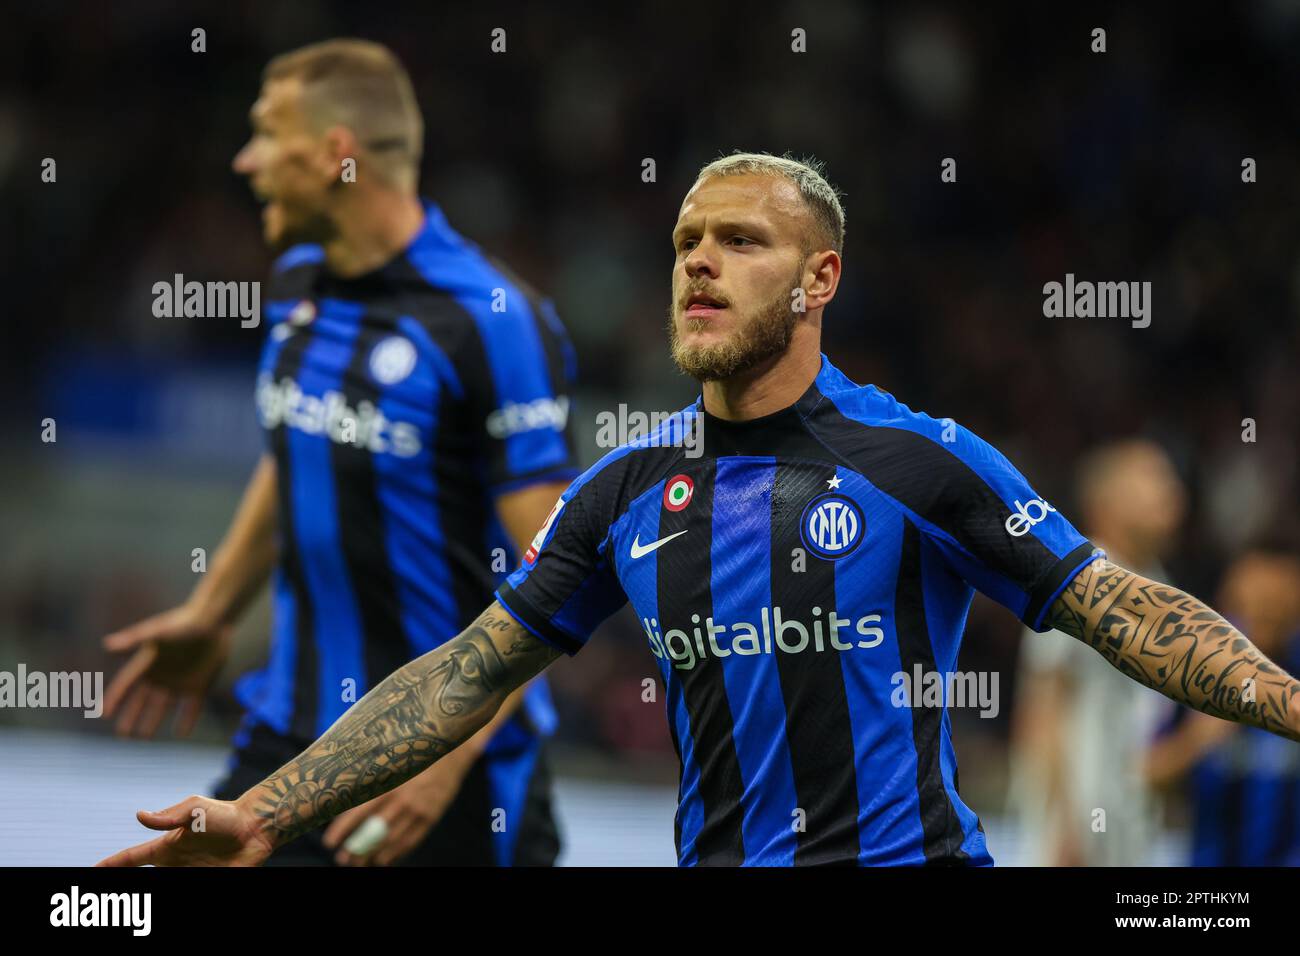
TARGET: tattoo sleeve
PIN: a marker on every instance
(1170, 641)
(416, 715)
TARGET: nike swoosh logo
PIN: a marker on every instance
(640, 551)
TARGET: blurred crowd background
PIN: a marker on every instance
(1115, 166)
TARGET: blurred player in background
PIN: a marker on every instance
(414, 398)
(1245, 784)
(1080, 730)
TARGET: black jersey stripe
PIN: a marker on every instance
(819, 733)
(683, 579)
(939, 823)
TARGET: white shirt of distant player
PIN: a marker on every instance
(1108, 728)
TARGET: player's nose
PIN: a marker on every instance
(698, 262)
(244, 163)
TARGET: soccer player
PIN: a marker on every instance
(827, 540)
(414, 399)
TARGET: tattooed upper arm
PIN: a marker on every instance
(1087, 597)
(502, 650)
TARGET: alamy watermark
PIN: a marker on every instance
(208, 300)
(130, 910)
(60, 689)
(922, 688)
(683, 430)
(1102, 300)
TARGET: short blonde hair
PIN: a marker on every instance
(807, 175)
(363, 86)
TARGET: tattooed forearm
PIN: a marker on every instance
(416, 715)
(1168, 640)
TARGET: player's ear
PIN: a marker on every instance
(340, 144)
(824, 268)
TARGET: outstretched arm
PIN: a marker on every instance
(416, 715)
(411, 811)
(1168, 640)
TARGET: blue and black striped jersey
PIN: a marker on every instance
(397, 405)
(784, 577)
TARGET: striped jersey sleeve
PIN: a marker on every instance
(998, 533)
(567, 585)
(985, 519)
(516, 370)
(1009, 541)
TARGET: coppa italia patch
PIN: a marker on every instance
(677, 493)
(531, 554)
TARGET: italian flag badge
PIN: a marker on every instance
(677, 493)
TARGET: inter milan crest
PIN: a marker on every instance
(832, 526)
(392, 360)
(677, 492)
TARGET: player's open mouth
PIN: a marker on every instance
(699, 305)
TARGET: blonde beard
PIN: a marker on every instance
(765, 335)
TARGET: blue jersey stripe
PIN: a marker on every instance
(304, 254)
(508, 780)
(1262, 797)
(742, 580)
(408, 494)
(884, 756)
(268, 693)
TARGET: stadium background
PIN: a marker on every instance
(1116, 166)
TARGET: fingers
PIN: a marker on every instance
(157, 703)
(369, 837)
(126, 678)
(405, 837)
(404, 832)
(342, 825)
(191, 706)
(142, 854)
(126, 722)
(137, 634)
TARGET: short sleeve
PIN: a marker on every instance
(1003, 537)
(516, 367)
(566, 586)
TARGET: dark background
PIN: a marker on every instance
(1122, 166)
